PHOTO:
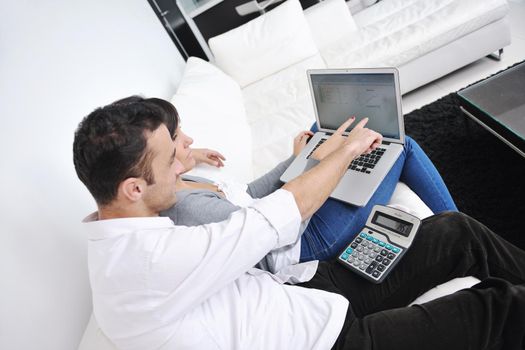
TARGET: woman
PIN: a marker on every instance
(201, 201)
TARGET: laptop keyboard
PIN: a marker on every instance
(364, 163)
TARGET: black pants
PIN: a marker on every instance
(491, 315)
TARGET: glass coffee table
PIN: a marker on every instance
(498, 104)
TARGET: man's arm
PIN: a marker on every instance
(312, 188)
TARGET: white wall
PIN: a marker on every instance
(59, 59)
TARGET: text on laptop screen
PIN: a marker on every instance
(372, 95)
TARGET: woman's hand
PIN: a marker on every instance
(300, 141)
(208, 156)
(363, 139)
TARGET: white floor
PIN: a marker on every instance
(478, 70)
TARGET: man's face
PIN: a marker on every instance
(165, 167)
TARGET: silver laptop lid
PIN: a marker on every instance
(364, 92)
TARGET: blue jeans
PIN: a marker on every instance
(336, 223)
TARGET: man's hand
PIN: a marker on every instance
(362, 139)
(313, 187)
(300, 141)
(208, 156)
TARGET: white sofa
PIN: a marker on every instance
(264, 101)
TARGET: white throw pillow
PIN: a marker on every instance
(265, 45)
(212, 112)
(330, 21)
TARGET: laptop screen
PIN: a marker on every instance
(372, 95)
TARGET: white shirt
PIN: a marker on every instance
(157, 285)
(283, 262)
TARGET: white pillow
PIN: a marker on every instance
(330, 21)
(212, 112)
(265, 45)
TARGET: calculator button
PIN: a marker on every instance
(379, 258)
(370, 245)
(361, 257)
(382, 244)
(388, 246)
(344, 256)
(386, 262)
(395, 250)
(375, 240)
(351, 259)
(377, 249)
(372, 255)
(371, 267)
(391, 256)
(376, 274)
(369, 238)
(354, 245)
(359, 249)
(358, 240)
(363, 235)
(381, 268)
(362, 266)
(384, 253)
(368, 261)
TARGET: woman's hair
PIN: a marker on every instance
(110, 144)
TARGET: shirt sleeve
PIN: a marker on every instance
(192, 263)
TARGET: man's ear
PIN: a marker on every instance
(132, 189)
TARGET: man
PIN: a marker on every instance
(160, 286)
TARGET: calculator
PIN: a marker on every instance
(376, 250)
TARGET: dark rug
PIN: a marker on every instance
(485, 177)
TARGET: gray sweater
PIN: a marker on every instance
(197, 207)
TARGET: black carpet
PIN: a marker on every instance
(485, 177)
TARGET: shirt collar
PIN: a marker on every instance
(102, 229)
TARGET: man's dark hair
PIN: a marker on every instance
(110, 143)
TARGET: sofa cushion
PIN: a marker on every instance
(212, 112)
(277, 108)
(265, 45)
(329, 21)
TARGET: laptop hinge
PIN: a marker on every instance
(386, 142)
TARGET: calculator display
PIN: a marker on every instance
(394, 224)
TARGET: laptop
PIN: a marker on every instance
(338, 94)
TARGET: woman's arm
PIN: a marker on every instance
(269, 182)
(199, 207)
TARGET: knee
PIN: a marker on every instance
(452, 223)
(448, 219)
(411, 146)
(409, 142)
